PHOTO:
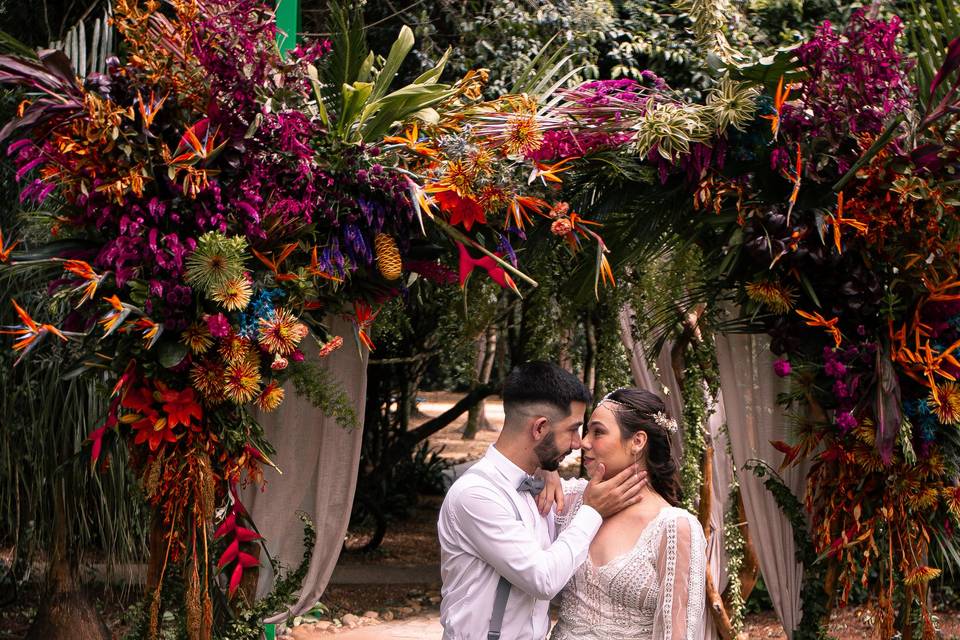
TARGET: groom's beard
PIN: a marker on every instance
(548, 454)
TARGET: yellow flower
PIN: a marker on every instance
(271, 397)
(775, 296)
(523, 134)
(946, 406)
(281, 333)
(197, 337)
(233, 294)
(207, 377)
(234, 349)
(242, 380)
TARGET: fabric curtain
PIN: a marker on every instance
(664, 382)
(319, 460)
(753, 420)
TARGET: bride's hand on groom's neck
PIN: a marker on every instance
(610, 496)
(552, 493)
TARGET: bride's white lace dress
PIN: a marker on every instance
(654, 591)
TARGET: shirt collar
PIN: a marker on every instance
(510, 471)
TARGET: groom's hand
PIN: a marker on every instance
(610, 496)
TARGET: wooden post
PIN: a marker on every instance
(288, 24)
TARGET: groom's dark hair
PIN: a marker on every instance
(539, 382)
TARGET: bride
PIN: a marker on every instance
(644, 577)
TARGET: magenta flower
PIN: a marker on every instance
(782, 368)
(219, 325)
(846, 421)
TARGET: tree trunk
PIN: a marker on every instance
(486, 351)
(66, 610)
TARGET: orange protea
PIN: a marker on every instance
(281, 332)
(335, 343)
(197, 337)
(561, 227)
(775, 296)
(522, 134)
(242, 381)
(559, 210)
(234, 349)
(946, 406)
(271, 397)
(234, 294)
(208, 377)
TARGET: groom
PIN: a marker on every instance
(499, 559)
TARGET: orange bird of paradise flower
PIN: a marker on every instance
(5, 251)
(838, 221)
(548, 172)
(274, 264)
(798, 169)
(779, 99)
(113, 318)
(30, 332)
(932, 365)
(150, 330)
(364, 315)
(519, 208)
(816, 320)
(85, 271)
(410, 141)
(148, 109)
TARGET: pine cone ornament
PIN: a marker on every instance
(388, 256)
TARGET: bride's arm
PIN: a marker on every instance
(681, 570)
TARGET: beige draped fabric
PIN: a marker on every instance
(319, 461)
(754, 419)
(664, 382)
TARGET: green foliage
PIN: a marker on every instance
(700, 382)
(735, 548)
(320, 386)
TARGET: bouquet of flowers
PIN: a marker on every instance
(832, 224)
(207, 202)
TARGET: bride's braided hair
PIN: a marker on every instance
(640, 410)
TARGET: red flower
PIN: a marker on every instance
(153, 430)
(462, 210)
(180, 406)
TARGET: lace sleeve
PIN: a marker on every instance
(681, 571)
(572, 498)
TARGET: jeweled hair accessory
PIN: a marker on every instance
(667, 423)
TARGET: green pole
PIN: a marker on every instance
(288, 24)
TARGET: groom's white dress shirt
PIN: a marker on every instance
(481, 540)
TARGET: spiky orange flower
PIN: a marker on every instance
(234, 349)
(775, 296)
(207, 377)
(271, 397)
(522, 134)
(281, 332)
(241, 381)
(920, 575)
(233, 294)
(197, 337)
(946, 406)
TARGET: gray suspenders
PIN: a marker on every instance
(503, 587)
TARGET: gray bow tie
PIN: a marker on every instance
(531, 484)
